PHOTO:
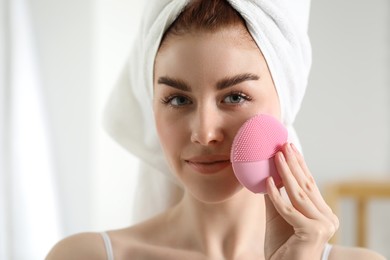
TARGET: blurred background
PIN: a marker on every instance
(61, 174)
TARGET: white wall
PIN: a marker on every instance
(65, 42)
(81, 47)
(344, 123)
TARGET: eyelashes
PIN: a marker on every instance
(176, 100)
(234, 98)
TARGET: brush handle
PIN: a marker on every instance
(253, 175)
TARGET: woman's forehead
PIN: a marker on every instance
(210, 44)
(205, 57)
(236, 35)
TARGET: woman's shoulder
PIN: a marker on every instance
(79, 246)
(124, 242)
(356, 253)
(91, 245)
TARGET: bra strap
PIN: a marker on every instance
(108, 245)
(326, 252)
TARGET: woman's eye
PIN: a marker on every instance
(177, 101)
(236, 98)
(180, 101)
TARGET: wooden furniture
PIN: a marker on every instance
(362, 191)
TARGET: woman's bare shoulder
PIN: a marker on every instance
(79, 246)
(150, 239)
(356, 253)
(90, 245)
(126, 241)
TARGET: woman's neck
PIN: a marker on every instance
(223, 230)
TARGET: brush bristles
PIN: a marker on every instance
(260, 138)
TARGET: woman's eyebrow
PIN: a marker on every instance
(221, 84)
(174, 83)
(237, 79)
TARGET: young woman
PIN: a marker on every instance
(214, 66)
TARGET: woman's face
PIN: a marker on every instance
(206, 85)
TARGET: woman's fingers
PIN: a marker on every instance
(312, 220)
(308, 184)
(291, 174)
(307, 202)
(286, 210)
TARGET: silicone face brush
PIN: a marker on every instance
(253, 151)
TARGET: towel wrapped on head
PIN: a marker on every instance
(279, 28)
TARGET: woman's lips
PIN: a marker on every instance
(208, 164)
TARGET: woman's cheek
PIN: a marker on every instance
(170, 131)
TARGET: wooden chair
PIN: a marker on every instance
(362, 191)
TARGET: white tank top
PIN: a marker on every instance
(110, 253)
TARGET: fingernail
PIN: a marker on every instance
(281, 157)
(271, 181)
(294, 148)
(288, 148)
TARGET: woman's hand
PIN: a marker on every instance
(298, 228)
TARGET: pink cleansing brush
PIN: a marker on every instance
(253, 151)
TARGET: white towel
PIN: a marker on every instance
(279, 27)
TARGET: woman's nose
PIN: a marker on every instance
(207, 127)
